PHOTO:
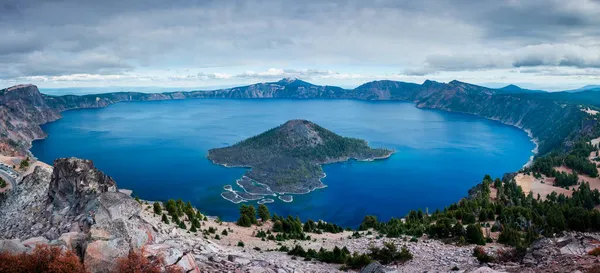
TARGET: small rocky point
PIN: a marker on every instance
(76, 207)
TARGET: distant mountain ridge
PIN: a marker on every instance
(585, 88)
(547, 118)
(513, 89)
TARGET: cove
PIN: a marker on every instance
(158, 149)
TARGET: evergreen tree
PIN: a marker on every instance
(157, 208)
(247, 216)
(263, 212)
(165, 219)
(510, 236)
(244, 221)
(474, 235)
(458, 230)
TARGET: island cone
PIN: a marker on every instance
(288, 158)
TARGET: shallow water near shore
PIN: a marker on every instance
(158, 149)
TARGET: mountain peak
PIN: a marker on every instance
(511, 86)
(300, 130)
(288, 80)
(457, 82)
(19, 86)
(293, 81)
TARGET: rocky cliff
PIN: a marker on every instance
(22, 110)
(76, 207)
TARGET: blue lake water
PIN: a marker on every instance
(158, 149)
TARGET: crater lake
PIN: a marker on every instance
(159, 150)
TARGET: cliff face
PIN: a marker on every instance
(23, 108)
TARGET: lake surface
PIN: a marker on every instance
(158, 149)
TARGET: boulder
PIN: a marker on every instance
(32, 242)
(485, 269)
(238, 260)
(116, 205)
(188, 264)
(72, 240)
(136, 233)
(169, 254)
(374, 267)
(101, 256)
(13, 246)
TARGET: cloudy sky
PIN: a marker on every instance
(551, 44)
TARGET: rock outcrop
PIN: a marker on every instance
(562, 254)
(76, 185)
(77, 207)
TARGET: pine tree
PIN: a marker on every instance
(474, 235)
(263, 212)
(247, 216)
(165, 219)
(244, 221)
(157, 208)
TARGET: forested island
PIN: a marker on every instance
(288, 158)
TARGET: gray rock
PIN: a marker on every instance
(13, 246)
(116, 205)
(32, 242)
(72, 240)
(238, 260)
(485, 269)
(100, 256)
(75, 186)
(374, 267)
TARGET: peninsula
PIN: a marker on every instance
(288, 159)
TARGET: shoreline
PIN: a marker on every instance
(534, 150)
(283, 193)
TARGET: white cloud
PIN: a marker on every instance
(233, 42)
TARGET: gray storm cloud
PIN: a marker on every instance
(61, 38)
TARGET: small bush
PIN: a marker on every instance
(389, 253)
(481, 255)
(42, 259)
(284, 249)
(358, 261)
(240, 244)
(136, 262)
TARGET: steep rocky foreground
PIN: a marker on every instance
(23, 108)
(76, 207)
